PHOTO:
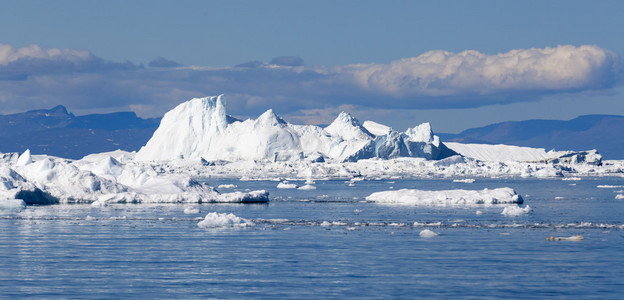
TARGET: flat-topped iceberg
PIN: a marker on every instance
(447, 197)
(199, 129)
(501, 153)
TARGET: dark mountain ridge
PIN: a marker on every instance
(57, 132)
(602, 132)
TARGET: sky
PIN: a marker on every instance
(456, 64)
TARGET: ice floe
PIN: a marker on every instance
(447, 197)
(577, 237)
(286, 185)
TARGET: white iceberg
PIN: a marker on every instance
(447, 197)
(200, 129)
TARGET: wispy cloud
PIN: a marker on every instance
(32, 77)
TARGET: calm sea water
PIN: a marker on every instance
(370, 251)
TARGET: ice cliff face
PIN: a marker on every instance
(199, 129)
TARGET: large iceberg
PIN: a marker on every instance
(199, 129)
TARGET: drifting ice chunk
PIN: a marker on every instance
(286, 185)
(307, 187)
(191, 210)
(220, 220)
(577, 237)
(514, 210)
(426, 233)
(447, 197)
(11, 205)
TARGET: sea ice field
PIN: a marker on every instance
(326, 242)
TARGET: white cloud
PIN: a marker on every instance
(442, 73)
(33, 78)
(9, 54)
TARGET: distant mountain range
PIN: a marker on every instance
(58, 132)
(602, 132)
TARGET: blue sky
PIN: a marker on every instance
(371, 58)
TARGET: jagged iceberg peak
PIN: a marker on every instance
(187, 129)
(269, 118)
(422, 133)
(348, 128)
(24, 159)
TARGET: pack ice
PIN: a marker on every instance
(200, 129)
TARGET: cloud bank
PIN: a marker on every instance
(33, 78)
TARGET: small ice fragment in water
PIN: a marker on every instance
(89, 218)
(571, 178)
(227, 186)
(512, 211)
(307, 187)
(619, 196)
(577, 237)
(191, 210)
(216, 220)
(466, 180)
(325, 224)
(426, 233)
(286, 185)
(478, 212)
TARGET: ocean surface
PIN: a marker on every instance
(325, 243)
